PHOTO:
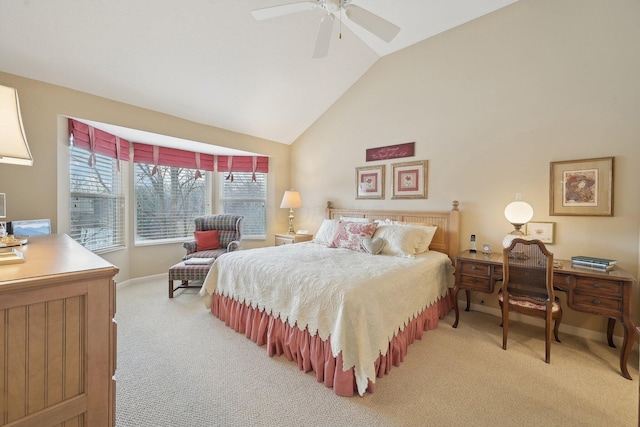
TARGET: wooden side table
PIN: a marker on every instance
(288, 239)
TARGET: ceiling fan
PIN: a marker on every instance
(371, 22)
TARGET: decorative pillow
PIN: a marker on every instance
(372, 246)
(349, 234)
(353, 219)
(425, 241)
(207, 240)
(405, 240)
(325, 233)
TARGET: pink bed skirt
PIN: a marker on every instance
(314, 354)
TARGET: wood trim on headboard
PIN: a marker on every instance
(446, 239)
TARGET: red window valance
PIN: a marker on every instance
(97, 141)
(144, 153)
(243, 164)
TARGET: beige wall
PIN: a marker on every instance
(41, 191)
(490, 104)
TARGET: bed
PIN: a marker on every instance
(334, 305)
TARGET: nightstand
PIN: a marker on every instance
(287, 239)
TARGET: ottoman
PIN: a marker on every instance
(192, 270)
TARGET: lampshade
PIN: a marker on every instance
(13, 142)
(518, 213)
(291, 199)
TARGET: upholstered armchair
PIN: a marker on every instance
(214, 235)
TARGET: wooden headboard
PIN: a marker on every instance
(446, 239)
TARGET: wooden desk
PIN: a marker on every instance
(606, 293)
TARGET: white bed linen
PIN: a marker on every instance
(358, 300)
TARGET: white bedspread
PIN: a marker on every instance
(358, 300)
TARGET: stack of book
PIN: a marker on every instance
(594, 263)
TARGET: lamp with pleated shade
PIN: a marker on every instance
(291, 200)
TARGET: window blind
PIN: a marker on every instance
(96, 201)
(243, 196)
(168, 201)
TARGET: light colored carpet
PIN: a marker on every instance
(178, 365)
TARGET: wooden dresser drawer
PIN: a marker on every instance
(561, 280)
(598, 287)
(597, 304)
(482, 270)
(475, 283)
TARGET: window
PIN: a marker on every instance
(97, 201)
(242, 196)
(168, 202)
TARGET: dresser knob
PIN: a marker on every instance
(596, 301)
(474, 267)
(596, 285)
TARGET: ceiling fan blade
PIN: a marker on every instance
(324, 37)
(285, 9)
(371, 22)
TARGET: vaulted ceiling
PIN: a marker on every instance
(210, 61)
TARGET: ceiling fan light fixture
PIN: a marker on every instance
(370, 22)
(334, 5)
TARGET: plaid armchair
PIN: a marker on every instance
(229, 232)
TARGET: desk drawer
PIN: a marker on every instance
(594, 286)
(475, 283)
(471, 268)
(597, 304)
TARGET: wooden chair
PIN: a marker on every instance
(527, 287)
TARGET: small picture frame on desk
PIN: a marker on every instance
(543, 231)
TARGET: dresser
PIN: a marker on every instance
(287, 239)
(57, 336)
(606, 293)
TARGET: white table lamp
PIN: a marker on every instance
(291, 200)
(518, 213)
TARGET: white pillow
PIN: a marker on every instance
(353, 219)
(324, 236)
(423, 245)
(405, 240)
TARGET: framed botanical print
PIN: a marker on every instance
(410, 180)
(370, 182)
(582, 187)
(542, 231)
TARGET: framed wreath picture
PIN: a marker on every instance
(410, 180)
(370, 182)
(582, 187)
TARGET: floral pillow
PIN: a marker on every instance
(349, 235)
(353, 219)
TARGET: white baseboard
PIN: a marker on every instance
(160, 276)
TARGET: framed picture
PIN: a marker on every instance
(410, 180)
(582, 187)
(370, 182)
(542, 231)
